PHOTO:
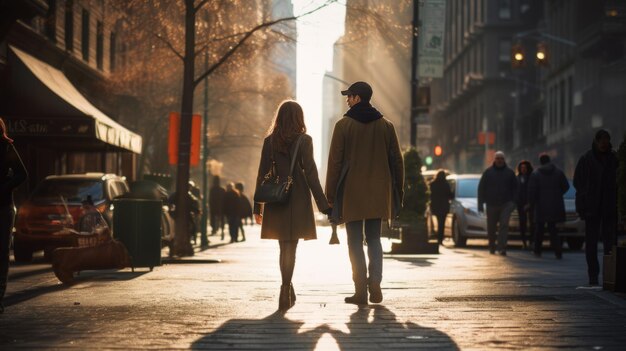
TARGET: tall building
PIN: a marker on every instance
(376, 48)
(584, 84)
(53, 61)
(478, 90)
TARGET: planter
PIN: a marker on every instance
(415, 240)
(614, 270)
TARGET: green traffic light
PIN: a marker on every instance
(428, 160)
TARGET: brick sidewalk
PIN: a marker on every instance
(460, 299)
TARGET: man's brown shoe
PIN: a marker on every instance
(376, 294)
(356, 299)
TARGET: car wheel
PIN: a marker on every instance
(575, 243)
(22, 254)
(457, 237)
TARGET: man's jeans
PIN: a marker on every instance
(499, 215)
(357, 256)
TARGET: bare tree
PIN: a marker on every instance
(189, 29)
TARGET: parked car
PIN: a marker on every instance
(55, 204)
(147, 189)
(465, 222)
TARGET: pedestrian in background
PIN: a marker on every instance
(232, 211)
(497, 188)
(364, 153)
(291, 221)
(12, 174)
(525, 212)
(595, 180)
(547, 186)
(440, 196)
(216, 204)
(245, 208)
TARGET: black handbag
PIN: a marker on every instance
(272, 190)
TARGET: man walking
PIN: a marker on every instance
(595, 180)
(216, 206)
(364, 153)
(545, 195)
(497, 188)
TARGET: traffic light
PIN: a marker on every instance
(428, 160)
(518, 56)
(541, 58)
(438, 151)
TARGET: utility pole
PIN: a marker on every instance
(414, 78)
(204, 240)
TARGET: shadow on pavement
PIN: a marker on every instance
(106, 275)
(416, 261)
(383, 331)
(28, 294)
(379, 331)
(270, 333)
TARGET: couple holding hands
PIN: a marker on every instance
(365, 167)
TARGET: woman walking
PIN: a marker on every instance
(293, 220)
(440, 196)
(524, 170)
(12, 174)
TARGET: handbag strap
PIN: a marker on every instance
(295, 154)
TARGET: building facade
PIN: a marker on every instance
(478, 92)
(584, 85)
(52, 65)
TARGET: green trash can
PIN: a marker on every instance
(137, 224)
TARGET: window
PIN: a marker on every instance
(570, 94)
(51, 21)
(69, 25)
(505, 51)
(504, 12)
(85, 35)
(562, 103)
(99, 44)
(112, 51)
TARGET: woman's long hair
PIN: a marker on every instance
(287, 125)
(3, 132)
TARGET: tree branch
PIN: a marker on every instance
(170, 46)
(247, 35)
(200, 5)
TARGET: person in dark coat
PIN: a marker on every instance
(12, 174)
(245, 208)
(595, 180)
(524, 170)
(364, 183)
(497, 188)
(216, 199)
(440, 196)
(293, 220)
(232, 211)
(547, 186)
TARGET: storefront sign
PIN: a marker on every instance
(49, 127)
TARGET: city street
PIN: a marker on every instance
(460, 299)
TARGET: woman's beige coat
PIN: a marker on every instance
(293, 220)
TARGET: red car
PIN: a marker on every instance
(55, 204)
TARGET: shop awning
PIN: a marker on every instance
(54, 107)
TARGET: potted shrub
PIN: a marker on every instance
(412, 220)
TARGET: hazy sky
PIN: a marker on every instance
(317, 33)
